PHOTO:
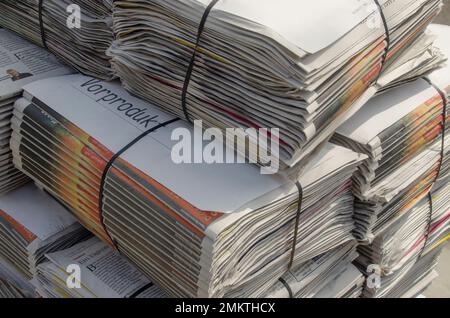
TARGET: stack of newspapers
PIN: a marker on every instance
(294, 65)
(199, 229)
(20, 63)
(417, 234)
(355, 202)
(104, 273)
(7, 290)
(408, 282)
(401, 132)
(78, 32)
(13, 284)
(330, 275)
(402, 190)
(31, 225)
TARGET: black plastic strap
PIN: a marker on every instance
(430, 223)
(286, 285)
(387, 33)
(110, 164)
(141, 290)
(297, 223)
(190, 68)
(41, 23)
(294, 242)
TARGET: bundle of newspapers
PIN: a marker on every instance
(31, 225)
(77, 31)
(419, 232)
(103, 273)
(20, 64)
(403, 203)
(13, 284)
(408, 282)
(7, 290)
(403, 132)
(331, 275)
(234, 233)
(294, 65)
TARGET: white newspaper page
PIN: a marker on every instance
(22, 62)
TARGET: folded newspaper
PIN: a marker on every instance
(31, 225)
(232, 233)
(104, 273)
(406, 251)
(81, 44)
(20, 63)
(408, 282)
(402, 133)
(407, 243)
(419, 231)
(330, 275)
(13, 284)
(301, 66)
(8, 290)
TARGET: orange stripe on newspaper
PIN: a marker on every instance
(24, 232)
(103, 151)
(437, 99)
(156, 201)
(204, 217)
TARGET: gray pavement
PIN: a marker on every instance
(444, 18)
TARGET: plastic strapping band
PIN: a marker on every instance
(441, 161)
(294, 242)
(110, 164)
(190, 68)
(286, 285)
(297, 223)
(141, 290)
(430, 221)
(41, 23)
(387, 33)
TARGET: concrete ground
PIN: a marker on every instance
(444, 18)
(441, 286)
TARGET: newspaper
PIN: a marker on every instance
(78, 32)
(13, 284)
(231, 234)
(7, 290)
(32, 224)
(104, 273)
(20, 63)
(409, 282)
(405, 235)
(330, 275)
(401, 132)
(284, 65)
